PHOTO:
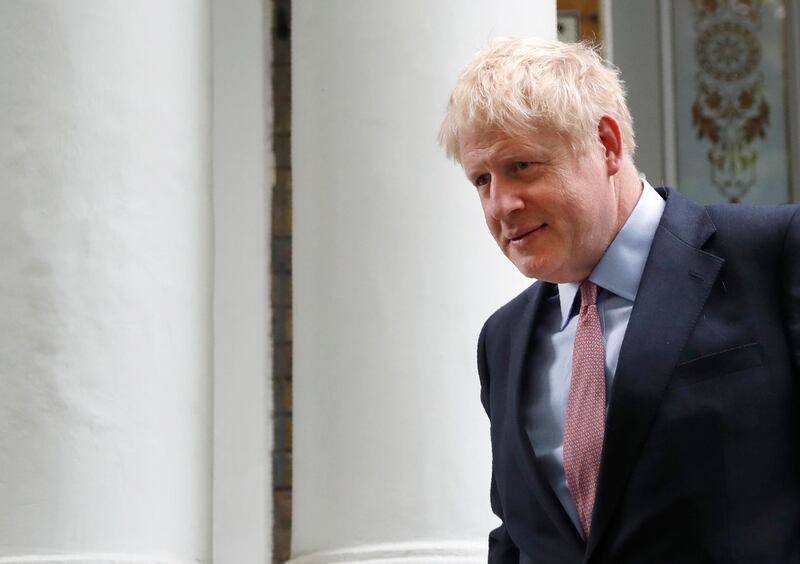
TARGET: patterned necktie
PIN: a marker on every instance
(586, 408)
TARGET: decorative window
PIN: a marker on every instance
(731, 100)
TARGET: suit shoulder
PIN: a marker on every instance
(754, 226)
(753, 216)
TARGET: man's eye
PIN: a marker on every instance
(482, 180)
(522, 165)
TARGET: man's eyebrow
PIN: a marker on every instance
(525, 151)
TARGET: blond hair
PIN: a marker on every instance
(518, 86)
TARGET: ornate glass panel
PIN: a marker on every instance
(730, 87)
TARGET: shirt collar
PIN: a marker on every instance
(620, 269)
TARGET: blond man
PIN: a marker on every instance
(643, 393)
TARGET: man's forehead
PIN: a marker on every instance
(479, 143)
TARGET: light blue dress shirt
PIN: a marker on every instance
(617, 275)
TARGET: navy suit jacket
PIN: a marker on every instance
(701, 459)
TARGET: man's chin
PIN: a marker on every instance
(547, 272)
(531, 268)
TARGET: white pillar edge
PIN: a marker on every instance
(454, 552)
(668, 96)
(607, 26)
(793, 78)
(92, 558)
(243, 175)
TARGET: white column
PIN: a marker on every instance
(394, 273)
(243, 177)
(105, 282)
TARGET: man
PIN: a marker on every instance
(643, 394)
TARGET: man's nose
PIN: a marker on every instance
(504, 198)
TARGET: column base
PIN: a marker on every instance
(400, 553)
(91, 559)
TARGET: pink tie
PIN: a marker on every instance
(586, 408)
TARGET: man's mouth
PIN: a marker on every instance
(520, 236)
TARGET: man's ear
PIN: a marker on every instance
(609, 134)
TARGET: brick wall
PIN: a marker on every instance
(281, 245)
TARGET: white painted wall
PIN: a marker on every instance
(394, 273)
(243, 177)
(636, 26)
(105, 281)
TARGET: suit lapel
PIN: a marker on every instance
(535, 479)
(675, 285)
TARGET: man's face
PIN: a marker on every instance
(551, 212)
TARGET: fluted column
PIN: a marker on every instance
(105, 293)
(394, 272)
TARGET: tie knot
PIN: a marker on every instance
(588, 294)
